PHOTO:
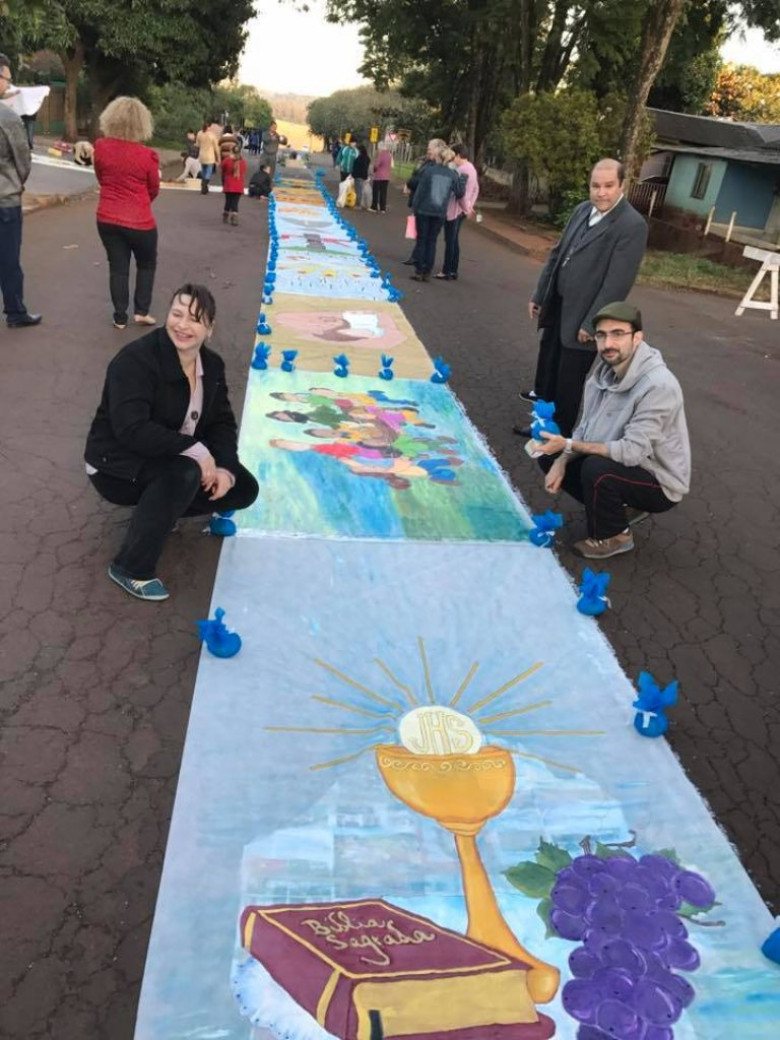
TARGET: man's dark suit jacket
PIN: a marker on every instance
(590, 268)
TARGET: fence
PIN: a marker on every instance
(647, 197)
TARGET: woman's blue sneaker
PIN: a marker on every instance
(152, 590)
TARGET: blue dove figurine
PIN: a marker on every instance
(543, 421)
(215, 635)
(771, 946)
(341, 362)
(593, 600)
(262, 353)
(442, 373)
(651, 705)
(386, 371)
(262, 327)
(545, 526)
(222, 525)
(288, 360)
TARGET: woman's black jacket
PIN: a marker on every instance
(145, 399)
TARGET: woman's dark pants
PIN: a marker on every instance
(428, 229)
(120, 244)
(164, 490)
(452, 246)
(379, 195)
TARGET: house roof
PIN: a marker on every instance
(708, 132)
(765, 157)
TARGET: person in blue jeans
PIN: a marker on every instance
(15, 165)
(433, 187)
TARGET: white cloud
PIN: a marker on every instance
(290, 51)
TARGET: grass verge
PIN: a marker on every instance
(685, 271)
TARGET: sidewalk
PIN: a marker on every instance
(54, 181)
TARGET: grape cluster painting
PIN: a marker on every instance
(629, 917)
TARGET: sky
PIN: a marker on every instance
(306, 55)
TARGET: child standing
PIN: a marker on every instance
(233, 175)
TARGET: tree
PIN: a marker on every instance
(359, 109)
(561, 136)
(743, 93)
(557, 135)
(658, 24)
(124, 47)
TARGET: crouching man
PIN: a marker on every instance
(629, 455)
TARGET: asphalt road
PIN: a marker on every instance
(96, 687)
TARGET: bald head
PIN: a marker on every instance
(606, 184)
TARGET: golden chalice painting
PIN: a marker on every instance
(442, 758)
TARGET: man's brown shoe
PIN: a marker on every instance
(603, 548)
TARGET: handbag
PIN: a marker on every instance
(411, 227)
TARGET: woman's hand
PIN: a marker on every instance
(208, 471)
(222, 484)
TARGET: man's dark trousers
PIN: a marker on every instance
(11, 277)
(561, 373)
(605, 487)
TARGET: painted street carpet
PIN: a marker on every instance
(414, 804)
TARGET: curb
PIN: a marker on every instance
(497, 236)
(33, 203)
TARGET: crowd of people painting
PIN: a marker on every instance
(624, 455)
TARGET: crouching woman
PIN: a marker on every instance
(164, 438)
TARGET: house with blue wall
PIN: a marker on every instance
(705, 162)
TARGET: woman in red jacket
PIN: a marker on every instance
(233, 175)
(129, 176)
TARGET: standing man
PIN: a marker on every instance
(271, 141)
(15, 164)
(347, 157)
(629, 455)
(596, 260)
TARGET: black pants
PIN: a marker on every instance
(452, 245)
(379, 195)
(231, 201)
(605, 487)
(11, 277)
(165, 490)
(561, 373)
(428, 230)
(120, 244)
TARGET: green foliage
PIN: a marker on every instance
(552, 856)
(243, 105)
(359, 109)
(745, 94)
(177, 109)
(560, 136)
(531, 879)
(557, 135)
(124, 47)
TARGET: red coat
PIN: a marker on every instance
(129, 178)
(233, 174)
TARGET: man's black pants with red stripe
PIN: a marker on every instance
(604, 487)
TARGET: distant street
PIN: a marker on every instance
(97, 688)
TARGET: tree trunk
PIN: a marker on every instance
(73, 62)
(658, 25)
(520, 191)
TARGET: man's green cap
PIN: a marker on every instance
(620, 311)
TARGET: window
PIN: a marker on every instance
(701, 181)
